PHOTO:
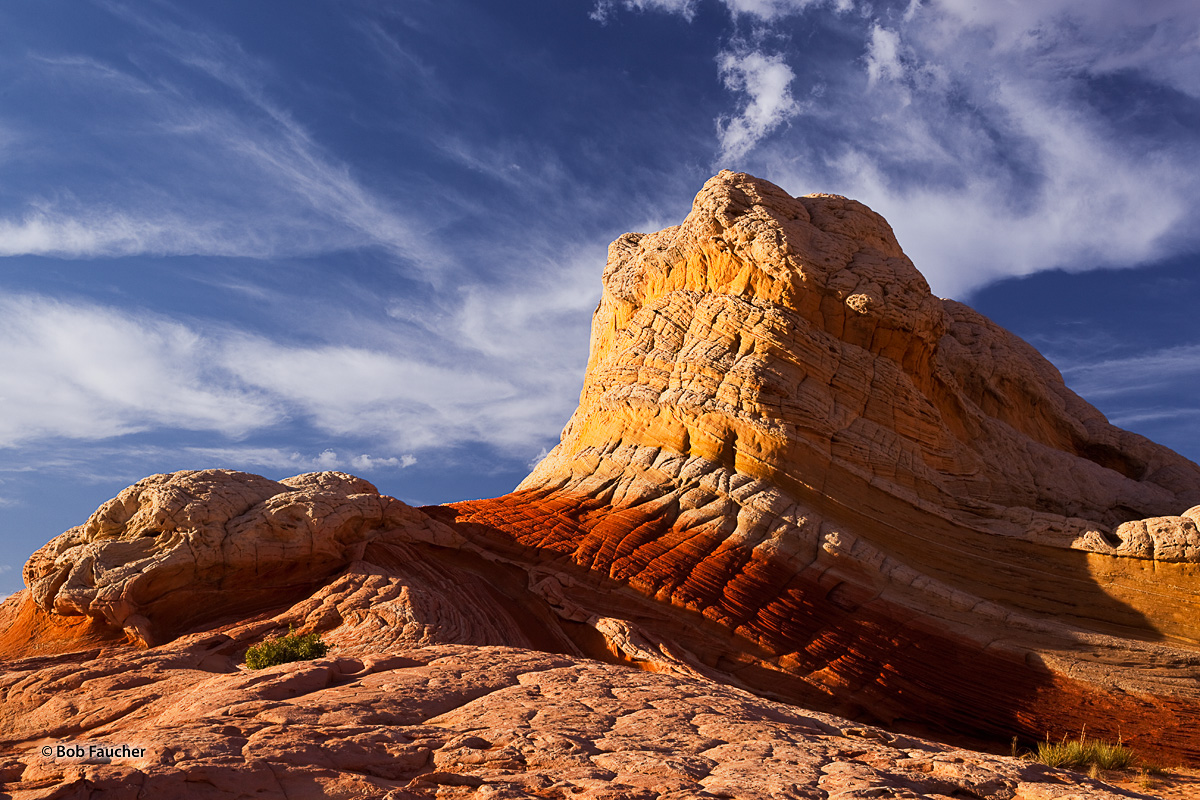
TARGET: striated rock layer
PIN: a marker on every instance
(794, 475)
(896, 505)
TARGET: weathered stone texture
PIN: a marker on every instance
(453, 721)
(782, 430)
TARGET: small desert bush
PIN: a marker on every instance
(285, 649)
(1083, 753)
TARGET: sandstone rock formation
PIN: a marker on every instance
(794, 476)
(419, 699)
(897, 506)
(175, 549)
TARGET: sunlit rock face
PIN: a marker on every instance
(794, 477)
(188, 547)
(782, 430)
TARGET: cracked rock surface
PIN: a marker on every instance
(175, 548)
(456, 721)
(455, 671)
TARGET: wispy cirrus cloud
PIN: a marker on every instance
(765, 10)
(1171, 368)
(604, 9)
(348, 390)
(1152, 392)
(54, 233)
(1019, 166)
(229, 173)
(883, 56)
(87, 372)
(770, 10)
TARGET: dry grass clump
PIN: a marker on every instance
(1084, 753)
(1145, 782)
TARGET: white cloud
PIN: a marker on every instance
(770, 10)
(352, 390)
(883, 55)
(765, 10)
(980, 147)
(248, 458)
(1065, 38)
(84, 371)
(976, 128)
(1091, 208)
(71, 231)
(38, 234)
(1020, 23)
(765, 81)
(242, 457)
(327, 460)
(88, 372)
(604, 9)
(548, 309)
(367, 462)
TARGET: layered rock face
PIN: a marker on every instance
(897, 507)
(794, 476)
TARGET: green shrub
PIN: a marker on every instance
(285, 649)
(1082, 753)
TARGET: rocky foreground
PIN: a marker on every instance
(796, 480)
(454, 721)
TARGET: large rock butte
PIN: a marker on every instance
(795, 478)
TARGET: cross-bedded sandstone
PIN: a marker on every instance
(782, 430)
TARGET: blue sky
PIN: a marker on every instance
(286, 236)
